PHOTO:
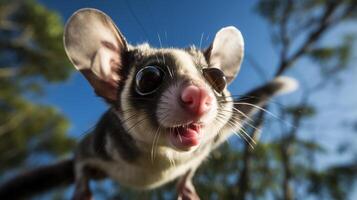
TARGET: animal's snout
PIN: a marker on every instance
(196, 100)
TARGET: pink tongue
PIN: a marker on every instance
(185, 138)
(191, 131)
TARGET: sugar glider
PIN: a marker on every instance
(169, 108)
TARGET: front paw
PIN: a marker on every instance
(186, 191)
(188, 194)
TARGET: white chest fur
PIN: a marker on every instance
(146, 173)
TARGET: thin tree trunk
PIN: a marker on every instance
(243, 181)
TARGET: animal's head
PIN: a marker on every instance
(174, 97)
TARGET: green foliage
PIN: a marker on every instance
(31, 54)
(334, 182)
(27, 129)
(31, 43)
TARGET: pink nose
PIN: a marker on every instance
(196, 100)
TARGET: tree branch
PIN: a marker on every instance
(324, 24)
(286, 150)
(285, 40)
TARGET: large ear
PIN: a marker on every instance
(96, 48)
(226, 52)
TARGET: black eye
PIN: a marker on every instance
(148, 79)
(216, 78)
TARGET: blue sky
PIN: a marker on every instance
(183, 23)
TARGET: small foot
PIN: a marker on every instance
(186, 191)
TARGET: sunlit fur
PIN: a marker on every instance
(160, 161)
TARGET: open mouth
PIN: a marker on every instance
(187, 136)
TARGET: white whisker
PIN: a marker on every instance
(264, 110)
(239, 134)
(163, 57)
(201, 40)
(242, 121)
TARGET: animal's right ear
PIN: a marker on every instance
(226, 52)
(96, 48)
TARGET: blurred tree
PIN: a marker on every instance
(31, 55)
(285, 165)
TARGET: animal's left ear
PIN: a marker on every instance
(226, 52)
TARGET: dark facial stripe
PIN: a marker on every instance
(149, 103)
(128, 59)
